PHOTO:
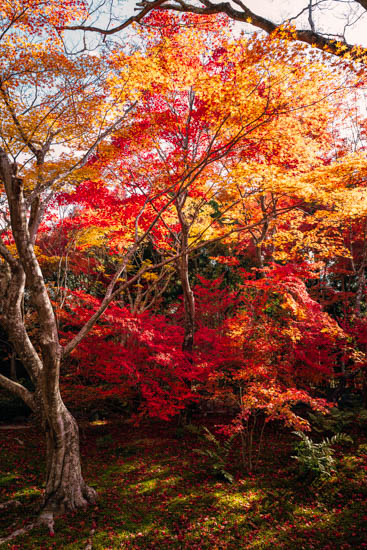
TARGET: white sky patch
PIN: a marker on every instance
(329, 17)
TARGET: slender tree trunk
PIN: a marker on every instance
(189, 299)
(189, 312)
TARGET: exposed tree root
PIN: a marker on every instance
(45, 518)
(18, 532)
(9, 504)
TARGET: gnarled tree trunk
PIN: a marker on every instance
(66, 489)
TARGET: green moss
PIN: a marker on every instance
(160, 496)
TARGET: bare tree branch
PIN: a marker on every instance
(336, 45)
(18, 390)
(133, 19)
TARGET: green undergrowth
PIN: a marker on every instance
(156, 492)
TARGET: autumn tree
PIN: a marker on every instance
(222, 151)
(214, 187)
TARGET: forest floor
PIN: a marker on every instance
(156, 493)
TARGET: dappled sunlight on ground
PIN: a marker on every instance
(156, 492)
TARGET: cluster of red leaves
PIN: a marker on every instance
(272, 347)
(260, 348)
(129, 356)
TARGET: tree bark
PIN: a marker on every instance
(66, 489)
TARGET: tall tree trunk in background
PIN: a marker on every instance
(361, 273)
(188, 295)
(189, 313)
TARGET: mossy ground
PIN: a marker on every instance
(155, 492)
